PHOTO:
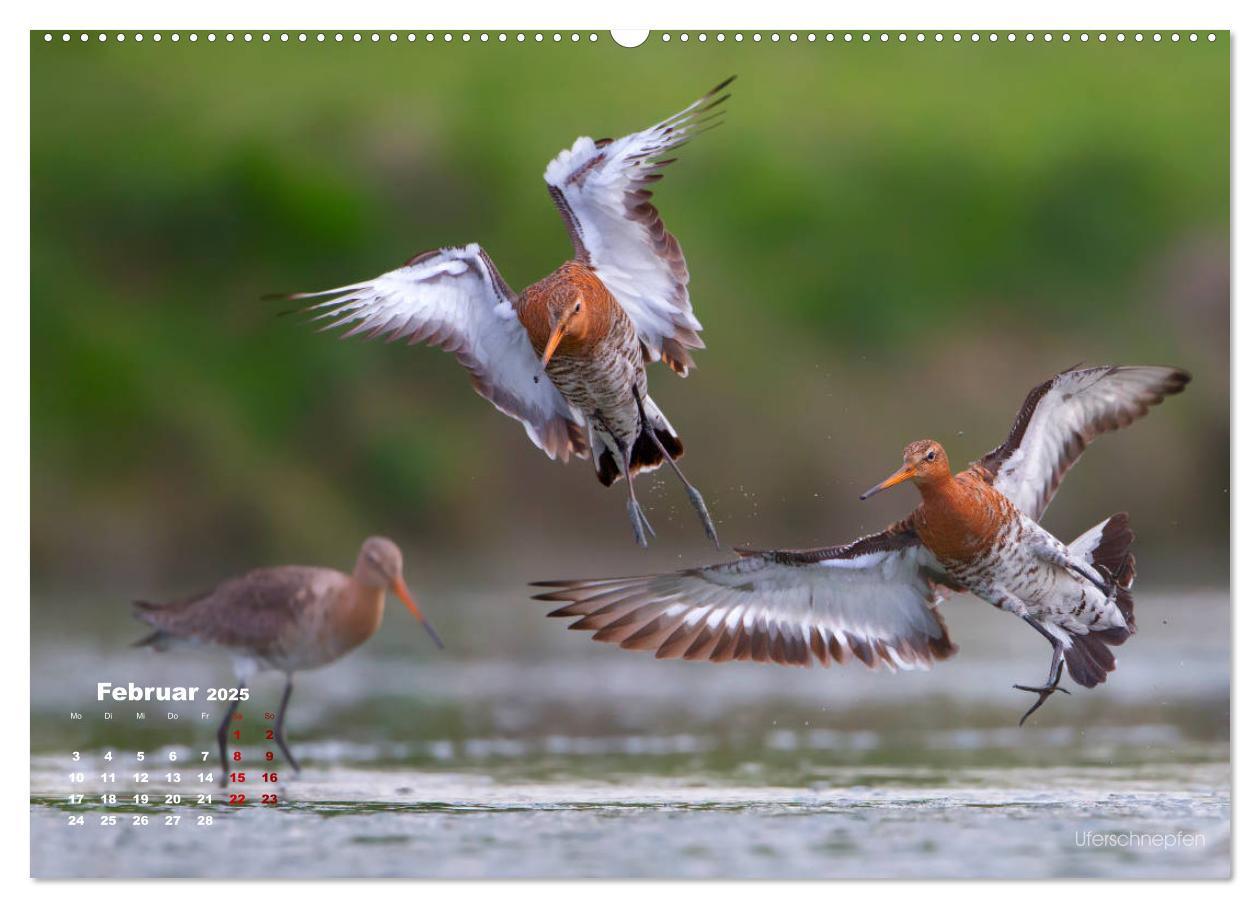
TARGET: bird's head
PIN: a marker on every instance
(569, 316)
(922, 462)
(380, 566)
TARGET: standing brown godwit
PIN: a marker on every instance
(566, 356)
(876, 598)
(288, 618)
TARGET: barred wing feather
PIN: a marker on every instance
(1062, 416)
(873, 600)
(600, 188)
(453, 298)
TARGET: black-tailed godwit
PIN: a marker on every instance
(565, 356)
(876, 599)
(288, 618)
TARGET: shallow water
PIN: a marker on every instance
(583, 761)
(865, 822)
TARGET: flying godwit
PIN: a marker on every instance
(566, 356)
(876, 598)
(289, 619)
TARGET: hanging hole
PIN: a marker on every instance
(630, 37)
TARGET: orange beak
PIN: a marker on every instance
(554, 341)
(400, 590)
(906, 472)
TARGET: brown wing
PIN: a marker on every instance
(873, 600)
(1059, 419)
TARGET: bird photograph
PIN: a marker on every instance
(875, 600)
(265, 266)
(565, 356)
(284, 619)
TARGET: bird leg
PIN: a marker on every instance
(222, 738)
(1056, 672)
(1091, 573)
(697, 500)
(638, 520)
(284, 703)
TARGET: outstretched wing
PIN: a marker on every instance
(1062, 416)
(600, 189)
(454, 298)
(873, 600)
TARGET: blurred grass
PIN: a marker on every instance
(885, 242)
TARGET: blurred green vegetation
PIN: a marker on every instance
(886, 242)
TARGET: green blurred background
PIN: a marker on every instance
(886, 242)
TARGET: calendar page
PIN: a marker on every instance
(663, 454)
(141, 789)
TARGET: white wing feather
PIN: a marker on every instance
(1062, 416)
(599, 188)
(454, 298)
(874, 600)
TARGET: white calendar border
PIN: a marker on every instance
(670, 14)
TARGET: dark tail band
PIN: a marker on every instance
(644, 456)
(1090, 658)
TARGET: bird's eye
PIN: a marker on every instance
(931, 455)
(577, 308)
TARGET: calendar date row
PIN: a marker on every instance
(109, 777)
(137, 819)
(200, 799)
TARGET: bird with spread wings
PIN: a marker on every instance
(875, 600)
(565, 356)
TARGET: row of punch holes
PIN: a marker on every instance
(664, 37)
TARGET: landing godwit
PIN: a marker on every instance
(566, 356)
(876, 598)
(289, 619)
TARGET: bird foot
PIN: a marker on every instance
(639, 522)
(1043, 693)
(697, 502)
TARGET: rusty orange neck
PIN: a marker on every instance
(959, 516)
(939, 490)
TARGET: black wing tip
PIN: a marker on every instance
(1178, 379)
(721, 85)
(1176, 374)
(1174, 381)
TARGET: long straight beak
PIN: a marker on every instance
(400, 589)
(900, 476)
(557, 335)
